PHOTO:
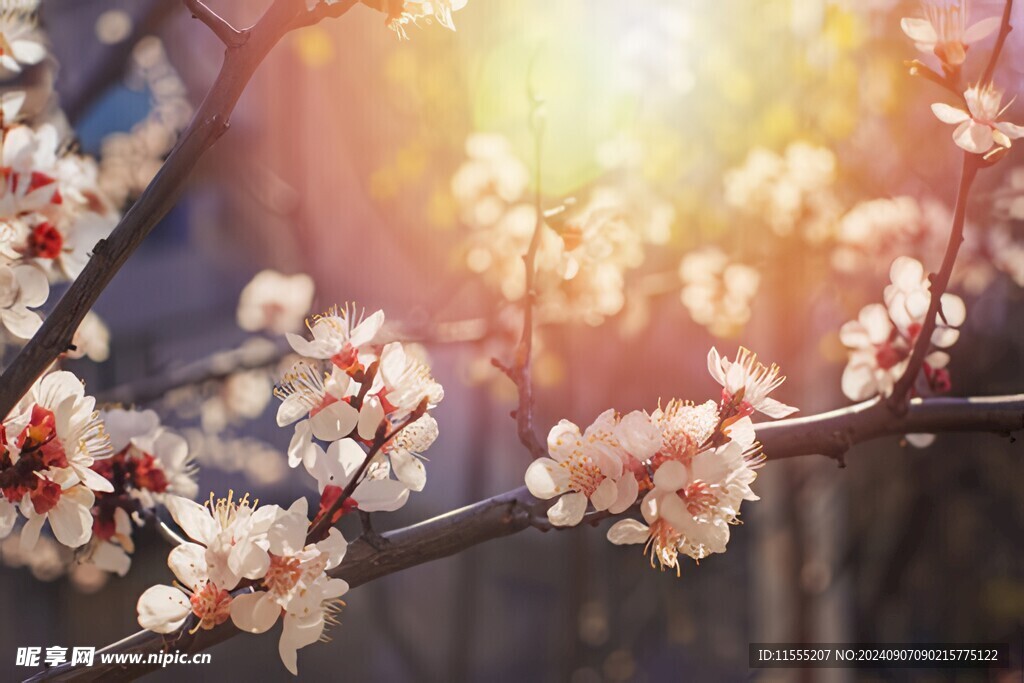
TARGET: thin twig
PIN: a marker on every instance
(828, 433)
(228, 34)
(997, 49)
(521, 370)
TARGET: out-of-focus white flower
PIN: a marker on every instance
(977, 129)
(21, 43)
(91, 340)
(22, 287)
(749, 382)
(716, 291)
(295, 585)
(791, 193)
(944, 31)
(247, 394)
(275, 302)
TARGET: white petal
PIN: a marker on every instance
(35, 287)
(297, 634)
(28, 51)
(604, 495)
(919, 30)
(188, 562)
(973, 137)
(194, 519)
(409, 469)
(71, 522)
(367, 330)
(626, 491)
(301, 449)
(163, 609)
(949, 114)
(775, 409)
(628, 532)
(569, 510)
(545, 478)
(21, 322)
(380, 495)
(981, 30)
(920, 440)
(671, 476)
(370, 417)
(334, 422)
(254, 612)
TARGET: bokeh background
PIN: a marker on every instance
(764, 159)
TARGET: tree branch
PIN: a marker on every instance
(208, 124)
(939, 282)
(831, 434)
(228, 34)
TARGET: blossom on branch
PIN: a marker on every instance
(230, 545)
(978, 129)
(746, 383)
(882, 338)
(295, 585)
(944, 31)
(149, 464)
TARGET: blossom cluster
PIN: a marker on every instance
(237, 544)
(881, 339)
(693, 464)
(48, 446)
(148, 463)
(790, 192)
(348, 390)
(585, 249)
(52, 211)
(92, 475)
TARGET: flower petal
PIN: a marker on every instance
(569, 510)
(628, 532)
(254, 612)
(163, 609)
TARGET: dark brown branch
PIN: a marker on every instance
(831, 434)
(939, 282)
(997, 49)
(208, 124)
(228, 34)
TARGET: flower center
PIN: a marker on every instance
(212, 605)
(283, 574)
(698, 497)
(584, 475)
(45, 241)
